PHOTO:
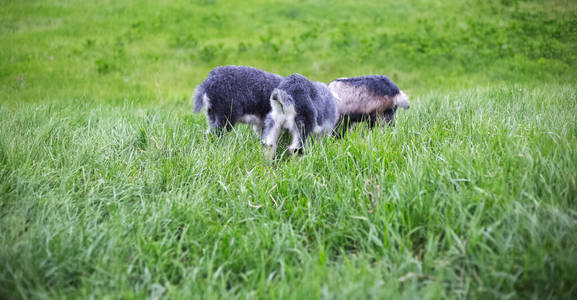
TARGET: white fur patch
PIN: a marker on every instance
(250, 119)
(284, 118)
(206, 104)
(257, 122)
(206, 101)
(402, 100)
(276, 106)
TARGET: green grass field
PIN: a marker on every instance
(109, 188)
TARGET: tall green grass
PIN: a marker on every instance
(109, 187)
(471, 194)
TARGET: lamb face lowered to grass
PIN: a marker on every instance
(302, 107)
(372, 98)
(234, 94)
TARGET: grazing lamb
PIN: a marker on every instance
(371, 98)
(234, 94)
(302, 107)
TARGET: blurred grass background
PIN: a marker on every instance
(157, 51)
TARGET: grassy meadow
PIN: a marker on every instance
(109, 188)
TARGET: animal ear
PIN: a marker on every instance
(275, 95)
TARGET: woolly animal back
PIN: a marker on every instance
(379, 84)
(298, 86)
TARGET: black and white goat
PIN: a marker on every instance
(302, 107)
(234, 94)
(371, 98)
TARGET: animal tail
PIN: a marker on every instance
(200, 98)
(402, 100)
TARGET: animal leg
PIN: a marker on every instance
(388, 116)
(299, 134)
(270, 136)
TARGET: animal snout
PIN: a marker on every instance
(267, 145)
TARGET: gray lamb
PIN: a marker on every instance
(302, 107)
(371, 98)
(234, 94)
